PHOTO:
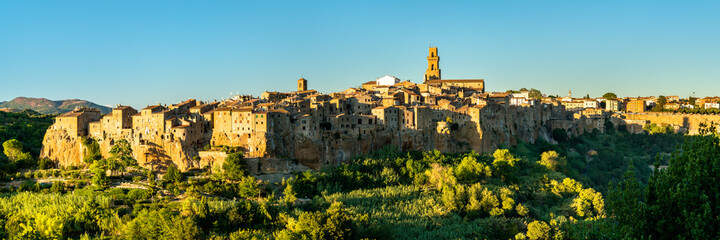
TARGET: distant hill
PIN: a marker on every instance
(45, 106)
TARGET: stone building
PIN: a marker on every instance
(636, 106)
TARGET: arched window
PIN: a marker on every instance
(432, 66)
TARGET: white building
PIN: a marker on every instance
(612, 105)
(591, 104)
(520, 101)
(712, 105)
(521, 94)
(387, 80)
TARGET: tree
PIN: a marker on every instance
(248, 187)
(234, 166)
(559, 134)
(99, 178)
(172, 175)
(13, 149)
(289, 195)
(120, 156)
(538, 230)
(660, 106)
(160, 224)
(609, 96)
(335, 223)
(470, 170)
(589, 204)
(534, 93)
(92, 152)
(552, 160)
(504, 164)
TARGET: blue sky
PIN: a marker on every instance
(142, 52)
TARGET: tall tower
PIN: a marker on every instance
(433, 70)
(302, 84)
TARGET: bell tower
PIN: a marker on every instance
(433, 70)
(302, 84)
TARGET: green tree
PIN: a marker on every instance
(660, 105)
(470, 170)
(100, 179)
(172, 175)
(234, 166)
(535, 94)
(559, 134)
(335, 223)
(13, 149)
(538, 230)
(681, 201)
(609, 96)
(121, 156)
(504, 164)
(289, 194)
(552, 160)
(160, 224)
(589, 203)
(92, 152)
(248, 187)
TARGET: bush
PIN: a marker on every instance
(137, 178)
(55, 216)
(172, 175)
(538, 230)
(470, 170)
(160, 224)
(551, 160)
(100, 179)
(138, 194)
(234, 166)
(335, 223)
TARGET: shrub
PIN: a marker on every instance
(172, 175)
(160, 224)
(335, 223)
(100, 179)
(234, 166)
(470, 170)
(538, 230)
(138, 194)
(551, 160)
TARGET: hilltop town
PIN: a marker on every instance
(316, 129)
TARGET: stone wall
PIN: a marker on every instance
(688, 123)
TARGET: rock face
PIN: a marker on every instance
(59, 146)
(67, 150)
(492, 127)
(496, 126)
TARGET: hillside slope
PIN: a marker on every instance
(45, 106)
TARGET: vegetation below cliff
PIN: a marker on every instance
(530, 191)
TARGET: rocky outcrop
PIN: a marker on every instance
(67, 150)
(495, 126)
(62, 148)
